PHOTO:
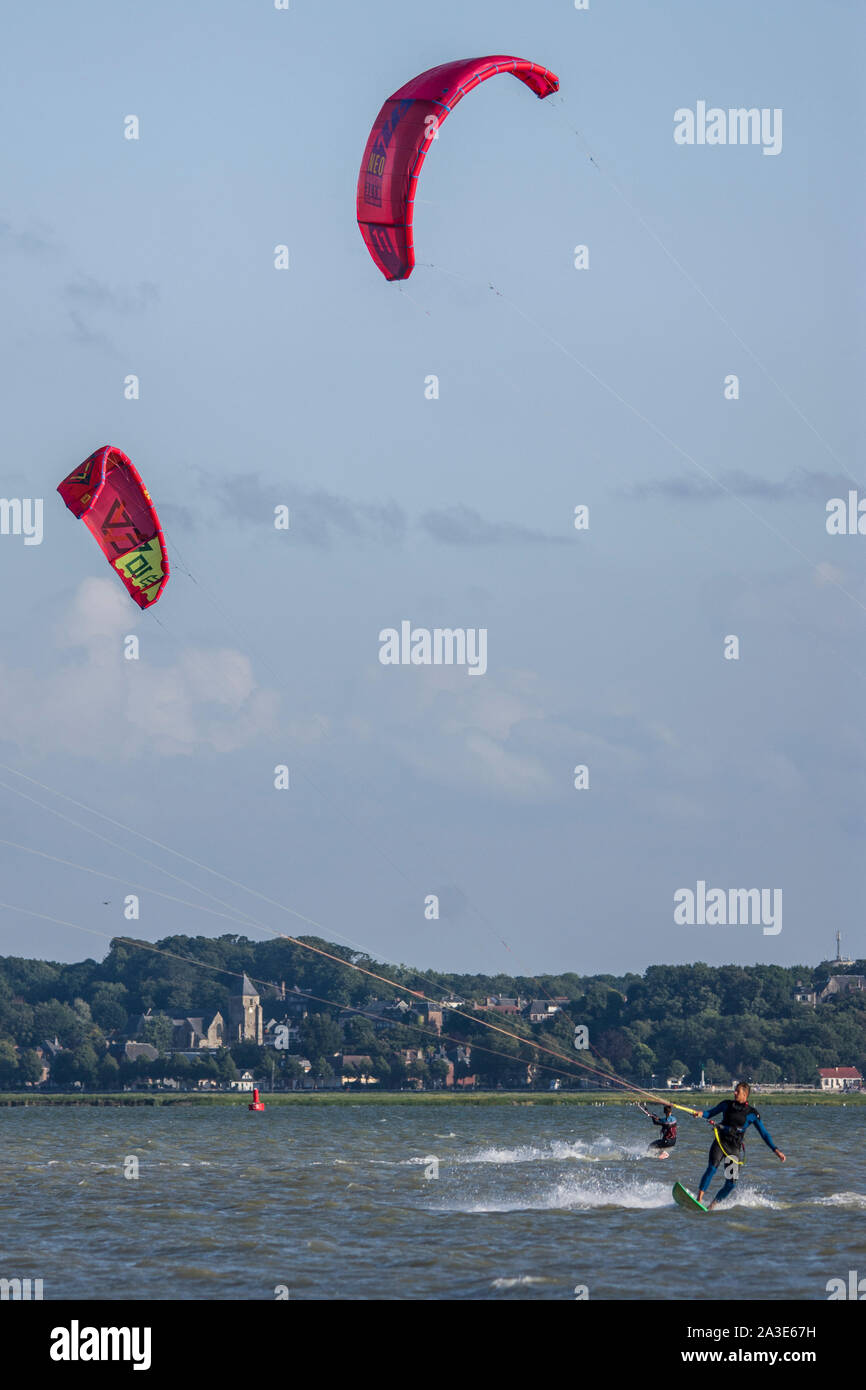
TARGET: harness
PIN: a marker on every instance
(734, 1133)
(740, 1162)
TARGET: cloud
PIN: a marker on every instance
(514, 737)
(322, 519)
(28, 242)
(318, 518)
(481, 737)
(99, 705)
(95, 295)
(464, 526)
(87, 295)
(86, 336)
(689, 488)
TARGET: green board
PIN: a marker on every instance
(685, 1199)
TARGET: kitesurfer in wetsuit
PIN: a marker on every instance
(669, 1129)
(737, 1115)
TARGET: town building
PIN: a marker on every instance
(840, 1079)
(189, 1034)
(355, 1066)
(842, 984)
(245, 1015)
(836, 986)
(540, 1010)
(502, 1004)
(432, 1017)
(379, 1012)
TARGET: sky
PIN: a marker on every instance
(558, 387)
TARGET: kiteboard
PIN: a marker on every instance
(686, 1199)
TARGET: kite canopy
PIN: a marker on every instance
(107, 494)
(401, 136)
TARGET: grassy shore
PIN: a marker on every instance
(696, 1100)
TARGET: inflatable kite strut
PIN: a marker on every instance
(401, 136)
(107, 494)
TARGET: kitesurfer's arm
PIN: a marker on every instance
(756, 1120)
(716, 1110)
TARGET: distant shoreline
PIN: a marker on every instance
(694, 1099)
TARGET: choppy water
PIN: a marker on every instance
(333, 1203)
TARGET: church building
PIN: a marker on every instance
(245, 1016)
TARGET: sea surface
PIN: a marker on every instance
(530, 1202)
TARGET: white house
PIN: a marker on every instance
(840, 1079)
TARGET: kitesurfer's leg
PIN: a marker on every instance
(724, 1191)
(715, 1159)
(705, 1182)
(733, 1162)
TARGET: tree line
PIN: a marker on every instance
(672, 1020)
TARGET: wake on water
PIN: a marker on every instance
(574, 1196)
(603, 1150)
(524, 1280)
(606, 1191)
(857, 1200)
(598, 1151)
(608, 1188)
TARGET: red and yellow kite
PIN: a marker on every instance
(107, 494)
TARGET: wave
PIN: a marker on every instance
(519, 1282)
(577, 1196)
(857, 1200)
(750, 1199)
(578, 1150)
(628, 1194)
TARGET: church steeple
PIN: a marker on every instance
(246, 1021)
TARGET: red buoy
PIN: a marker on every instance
(255, 1103)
